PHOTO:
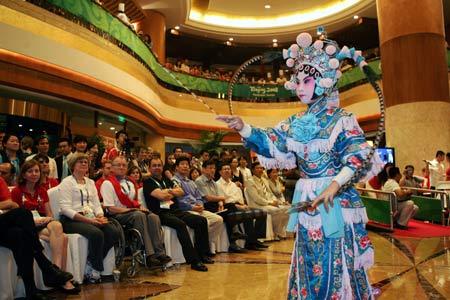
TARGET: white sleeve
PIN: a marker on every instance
(246, 131)
(108, 193)
(66, 203)
(98, 210)
(344, 176)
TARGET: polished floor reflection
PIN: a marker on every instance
(405, 268)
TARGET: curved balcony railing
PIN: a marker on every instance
(97, 19)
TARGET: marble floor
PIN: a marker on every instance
(405, 268)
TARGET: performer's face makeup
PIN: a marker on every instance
(305, 89)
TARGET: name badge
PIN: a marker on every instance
(36, 214)
(165, 204)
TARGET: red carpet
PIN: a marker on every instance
(423, 230)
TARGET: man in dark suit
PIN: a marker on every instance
(61, 160)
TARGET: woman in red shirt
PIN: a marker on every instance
(30, 194)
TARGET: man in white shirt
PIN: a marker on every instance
(437, 169)
(120, 198)
(406, 209)
(254, 220)
(42, 147)
(260, 196)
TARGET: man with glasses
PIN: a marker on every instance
(120, 199)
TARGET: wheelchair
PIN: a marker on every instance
(130, 244)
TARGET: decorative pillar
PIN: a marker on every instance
(154, 24)
(415, 78)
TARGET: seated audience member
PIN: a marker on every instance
(194, 173)
(120, 149)
(94, 159)
(447, 172)
(82, 213)
(160, 195)
(134, 173)
(236, 175)
(106, 170)
(254, 220)
(46, 181)
(26, 145)
(246, 173)
(7, 172)
(11, 153)
(29, 194)
(405, 207)
(120, 199)
(177, 152)
(261, 197)
(42, 147)
(411, 181)
(377, 182)
(169, 167)
(214, 201)
(142, 161)
(19, 234)
(276, 186)
(61, 160)
(204, 156)
(192, 200)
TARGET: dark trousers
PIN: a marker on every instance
(100, 239)
(178, 220)
(19, 234)
(254, 222)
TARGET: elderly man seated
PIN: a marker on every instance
(120, 199)
(261, 197)
(254, 220)
(405, 207)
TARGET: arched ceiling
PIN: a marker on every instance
(249, 22)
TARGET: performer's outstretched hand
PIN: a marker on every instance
(327, 195)
(233, 122)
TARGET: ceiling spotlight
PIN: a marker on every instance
(275, 44)
(177, 27)
(228, 43)
(100, 123)
(174, 32)
(267, 6)
(31, 129)
(112, 128)
(20, 125)
(231, 39)
(356, 17)
(274, 40)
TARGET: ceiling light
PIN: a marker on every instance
(177, 27)
(228, 43)
(275, 44)
(112, 128)
(20, 125)
(31, 129)
(174, 32)
(267, 6)
(356, 17)
(274, 40)
(231, 39)
(100, 123)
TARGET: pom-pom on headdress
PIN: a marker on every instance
(321, 59)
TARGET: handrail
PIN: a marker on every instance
(392, 198)
(95, 18)
(438, 194)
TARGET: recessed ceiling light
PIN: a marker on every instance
(100, 123)
(20, 125)
(275, 44)
(267, 6)
(228, 43)
(356, 17)
(31, 129)
(177, 27)
(231, 39)
(112, 128)
(274, 40)
(174, 32)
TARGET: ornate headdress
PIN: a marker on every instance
(321, 59)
